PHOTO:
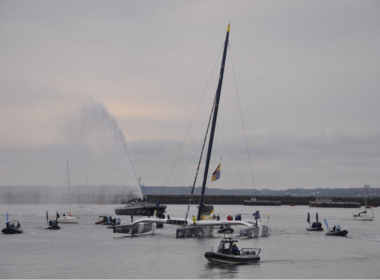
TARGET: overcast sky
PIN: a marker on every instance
(307, 74)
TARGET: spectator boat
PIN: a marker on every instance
(316, 226)
(229, 253)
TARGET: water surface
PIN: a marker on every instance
(87, 250)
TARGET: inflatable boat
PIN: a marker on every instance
(230, 254)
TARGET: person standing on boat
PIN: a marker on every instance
(194, 220)
(234, 249)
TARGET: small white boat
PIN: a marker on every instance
(364, 216)
(68, 218)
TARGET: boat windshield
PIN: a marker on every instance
(224, 245)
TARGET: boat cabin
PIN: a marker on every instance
(102, 218)
(316, 225)
(226, 247)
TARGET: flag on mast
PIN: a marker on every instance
(216, 174)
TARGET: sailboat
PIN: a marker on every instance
(196, 226)
(205, 227)
(86, 208)
(364, 216)
(67, 217)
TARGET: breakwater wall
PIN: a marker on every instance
(239, 199)
(34, 198)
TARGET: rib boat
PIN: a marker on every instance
(335, 230)
(52, 225)
(13, 227)
(316, 226)
(229, 253)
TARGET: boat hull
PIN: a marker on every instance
(11, 230)
(102, 223)
(194, 231)
(54, 227)
(314, 229)
(142, 210)
(256, 231)
(338, 233)
(68, 220)
(363, 218)
(141, 228)
(231, 259)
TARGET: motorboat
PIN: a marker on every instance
(52, 225)
(364, 216)
(229, 253)
(102, 220)
(13, 227)
(316, 226)
(329, 203)
(140, 207)
(67, 218)
(107, 220)
(335, 230)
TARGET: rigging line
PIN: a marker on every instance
(200, 144)
(231, 156)
(191, 122)
(200, 158)
(242, 121)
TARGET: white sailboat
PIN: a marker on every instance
(364, 216)
(86, 208)
(67, 217)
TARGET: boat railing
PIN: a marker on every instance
(250, 251)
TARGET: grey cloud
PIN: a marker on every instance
(300, 67)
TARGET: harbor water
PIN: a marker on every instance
(86, 250)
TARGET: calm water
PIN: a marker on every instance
(87, 250)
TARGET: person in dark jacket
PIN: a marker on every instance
(234, 249)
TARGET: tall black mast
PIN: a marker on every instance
(216, 107)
